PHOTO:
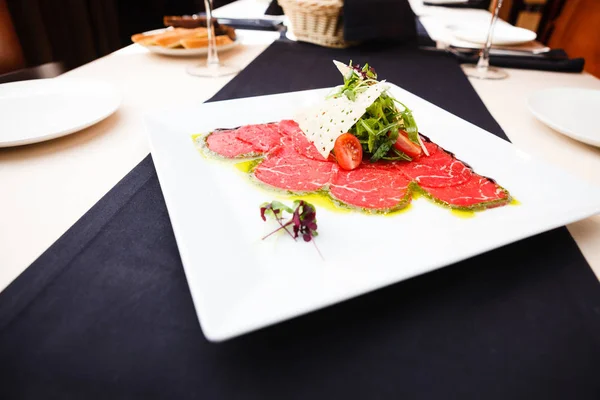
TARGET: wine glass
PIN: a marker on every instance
(213, 67)
(482, 69)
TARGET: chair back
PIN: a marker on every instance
(43, 71)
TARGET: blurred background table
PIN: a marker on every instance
(48, 186)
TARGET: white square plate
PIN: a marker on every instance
(240, 283)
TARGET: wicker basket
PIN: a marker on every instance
(316, 21)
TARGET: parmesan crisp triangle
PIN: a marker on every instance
(343, 68)
(325, 122)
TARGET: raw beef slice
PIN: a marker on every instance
(285, 169)
(431, 147)
(293, 136)
(245, 140)
(440, 169)
(479, 191)
(227, 144)
(378, 186)
(263, 137)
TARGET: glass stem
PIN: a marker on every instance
(484, 59)
(213, 57)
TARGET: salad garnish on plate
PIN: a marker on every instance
(361, 120)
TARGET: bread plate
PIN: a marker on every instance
(183, 52)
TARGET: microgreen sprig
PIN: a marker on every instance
(303, 218)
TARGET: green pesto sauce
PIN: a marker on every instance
(322, 200)
(199, 140)
(399, 211)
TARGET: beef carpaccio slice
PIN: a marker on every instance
(376, 186)
(477, 192)
(226, 143)
(293, 136)
(432, 148)
(290, 162)
(244, 141)
(440, 169)
(283, 168)
(263, 137)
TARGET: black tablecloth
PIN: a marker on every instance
(106, 311)
(378, 20)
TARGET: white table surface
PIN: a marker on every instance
(45, 188)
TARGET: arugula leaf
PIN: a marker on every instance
(410, 126)
(382, 151)
(388, 127)
(397, 156)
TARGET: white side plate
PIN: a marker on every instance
(570, 111)
(240, 283)
(504, 34)
(44, 109)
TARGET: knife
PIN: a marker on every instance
(504, 52)
(549, 54)
(196, 20)
(254, 23)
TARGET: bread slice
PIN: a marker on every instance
(170, 38)
(196, 42)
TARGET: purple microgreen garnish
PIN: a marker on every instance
(366, 71)
(275, 210)
(303, 218)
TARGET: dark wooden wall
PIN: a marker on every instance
(577, 31)
(76, 32)
(11, 54)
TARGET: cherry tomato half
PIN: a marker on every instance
(348, 151)
(405, 145)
